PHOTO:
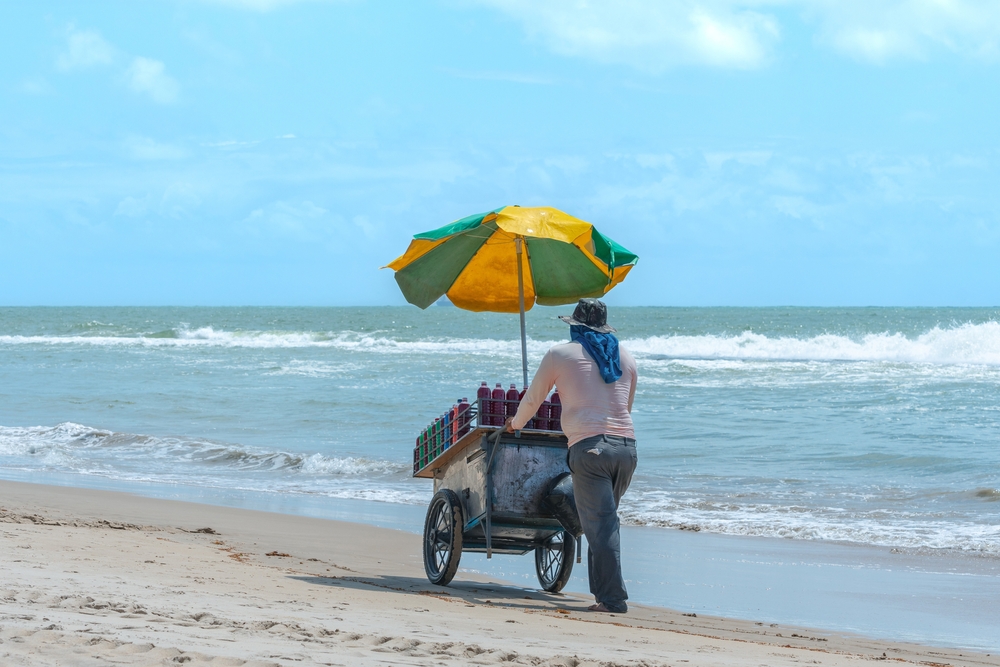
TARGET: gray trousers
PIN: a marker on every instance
(602, 468)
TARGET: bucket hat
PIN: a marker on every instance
(590, 313)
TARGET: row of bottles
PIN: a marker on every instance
(497, 405)
(442, 433)
(494, 408)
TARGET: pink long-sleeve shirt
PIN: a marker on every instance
(590, 406)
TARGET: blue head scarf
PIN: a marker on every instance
(602, 348)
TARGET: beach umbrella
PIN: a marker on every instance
(509, 259)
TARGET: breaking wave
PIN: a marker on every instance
(881, 527)
(977, 344)
(76, 448)
(964, 344)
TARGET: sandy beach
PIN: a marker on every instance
(97, 577)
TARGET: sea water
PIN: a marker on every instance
(868, 428)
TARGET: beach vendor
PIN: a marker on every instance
(595, 378)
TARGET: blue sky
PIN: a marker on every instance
(833, 152)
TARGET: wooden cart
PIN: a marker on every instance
(489, 489)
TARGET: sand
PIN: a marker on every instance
(103, 578)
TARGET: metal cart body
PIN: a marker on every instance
(489, 497)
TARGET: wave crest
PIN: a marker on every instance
(75, 447)
(976, 344)
(965, 344)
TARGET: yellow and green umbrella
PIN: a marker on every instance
(509, 259)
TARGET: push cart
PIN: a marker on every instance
(490, 492)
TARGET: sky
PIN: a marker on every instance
(279, 152)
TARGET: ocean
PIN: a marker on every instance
(864, 428)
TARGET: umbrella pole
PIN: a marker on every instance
(518, 243)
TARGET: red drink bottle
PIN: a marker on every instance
(483, 394)
(453, 421)
(555, 412)
(463, 417)
(497, 412)
(542, 416)
(512, 399)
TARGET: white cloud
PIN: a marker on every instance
(84, 48)
(36, 86)
(796, 207)
(179, 200)
(301, 220)
(144, 148)
(371, 230)
(653, 35)
(649, 34)
(891, 29)
(651, 161)
(150, 77)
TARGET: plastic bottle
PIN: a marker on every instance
(542, 416)
(449, 428)
(435, 442)
(483, 395)
(555, 412)
(498, 413)
(463, 417)
(456, 420)
(513, 398)
(422, 444)
(442, 434)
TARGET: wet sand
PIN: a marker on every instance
(99, 577)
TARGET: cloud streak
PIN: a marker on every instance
(149, 77)
(145, 76)
(650, 36)
(879, 32)
(653, 36)
(84, 48)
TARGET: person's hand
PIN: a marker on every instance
(507, 425)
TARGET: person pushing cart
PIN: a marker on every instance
(596, 379)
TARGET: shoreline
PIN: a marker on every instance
(107, 574)
(933, 599)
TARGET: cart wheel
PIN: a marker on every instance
(443, 537)
(554, 562)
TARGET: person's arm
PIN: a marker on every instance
(545, 378)
(631, 389)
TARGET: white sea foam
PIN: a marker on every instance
(882, 527)
(977, 344)
(348, 341)
(964, 344)
(77, 448)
